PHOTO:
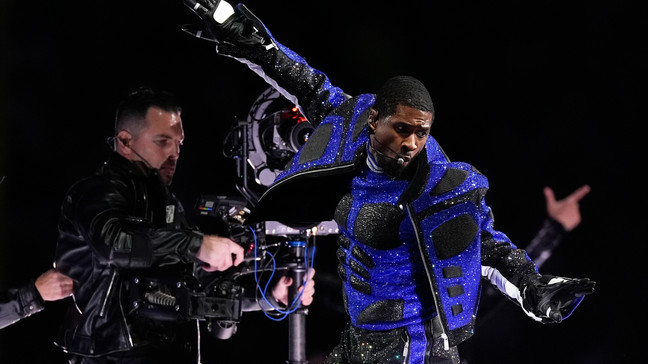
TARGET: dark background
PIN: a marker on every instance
(531, 93)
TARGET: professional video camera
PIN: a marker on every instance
(261, 145)
(220, 298)
(265, 142)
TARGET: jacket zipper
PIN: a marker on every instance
(123, 315)
(408, 340)
(420, 245)
(105, 301)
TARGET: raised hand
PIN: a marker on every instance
(221, 23)
(566, 211)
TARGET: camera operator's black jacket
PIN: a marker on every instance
(115, 225)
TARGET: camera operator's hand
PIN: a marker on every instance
(219, 253)
(280, 290)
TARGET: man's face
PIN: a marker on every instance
(401, 135)
(159, 143)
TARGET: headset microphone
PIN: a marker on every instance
(400, 160)
(126, 143)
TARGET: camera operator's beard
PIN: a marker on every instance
(167, 170)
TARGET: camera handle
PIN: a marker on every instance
(297, 319)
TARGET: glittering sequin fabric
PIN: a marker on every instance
(412, 250)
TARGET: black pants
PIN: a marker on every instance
(359, 346)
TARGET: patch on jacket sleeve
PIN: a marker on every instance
(170, 214)
(317, 143)
(452, 179)
(360, 124)
(454, 236)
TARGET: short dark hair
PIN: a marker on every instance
(131, 112)
(402, 90)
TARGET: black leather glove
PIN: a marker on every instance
(552, 298)
(224, 24)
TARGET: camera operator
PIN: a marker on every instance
(123, 223)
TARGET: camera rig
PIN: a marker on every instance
(220, 298)
(262, 145)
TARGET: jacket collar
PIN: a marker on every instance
(121, 165)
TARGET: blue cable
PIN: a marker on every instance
(295, 304)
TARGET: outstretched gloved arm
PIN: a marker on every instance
(223, 23)
(241, 35)
(551, 299)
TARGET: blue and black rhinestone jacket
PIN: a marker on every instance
(410, 249)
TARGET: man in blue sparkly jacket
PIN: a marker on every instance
(416, 236)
